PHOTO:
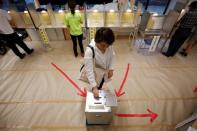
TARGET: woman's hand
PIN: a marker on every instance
(95, 92)
(110, 73)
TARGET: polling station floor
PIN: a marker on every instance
(35, 96)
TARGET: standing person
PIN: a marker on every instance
(187, 22)
(11, 37)
(103, 53)
(74, 21)
(191, 42)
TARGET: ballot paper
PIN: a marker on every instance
(111, 99)
(188, 120)
(191, 129)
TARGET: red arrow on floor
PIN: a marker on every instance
(81, 93)
(120, 93)
(195, 90)
(151, 114)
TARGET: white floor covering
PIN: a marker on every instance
(35, 96)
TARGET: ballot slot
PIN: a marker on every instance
(97, 107)
(97, 102)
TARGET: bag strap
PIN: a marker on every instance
(93, 53)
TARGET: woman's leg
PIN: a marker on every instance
(74, 40)
(10, 42)
(20, 42)
(80, 39)
(191, 44)
(172, 43)
(177, 40)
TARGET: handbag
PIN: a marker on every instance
(98, 72)
(22, 33)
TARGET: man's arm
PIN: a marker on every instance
(88, 60)
(12, 23)
(182, 16)
(7, 15)
(81, 19)
(66, 21)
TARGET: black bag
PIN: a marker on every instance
(3, 48)
(22, 33)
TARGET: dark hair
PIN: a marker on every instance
(72, 11)
(193, 5)
(104, 35)
(72, 5)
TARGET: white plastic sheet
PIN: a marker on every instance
(35, 96)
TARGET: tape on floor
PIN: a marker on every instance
(42, 102)
(80, 101)
(66, 127)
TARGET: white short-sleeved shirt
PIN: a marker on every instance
(5, 27)
(103, 60)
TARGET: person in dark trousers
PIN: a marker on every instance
(11, 37)
(73, 21)
(186, 23)
(191, 42)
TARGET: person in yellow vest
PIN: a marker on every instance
(73, 21)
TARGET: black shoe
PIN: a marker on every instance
(165, 54)
(82, 54)
(183, 50)
(30, 51)
(76, 54)
(183, 53)
(22, 56)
